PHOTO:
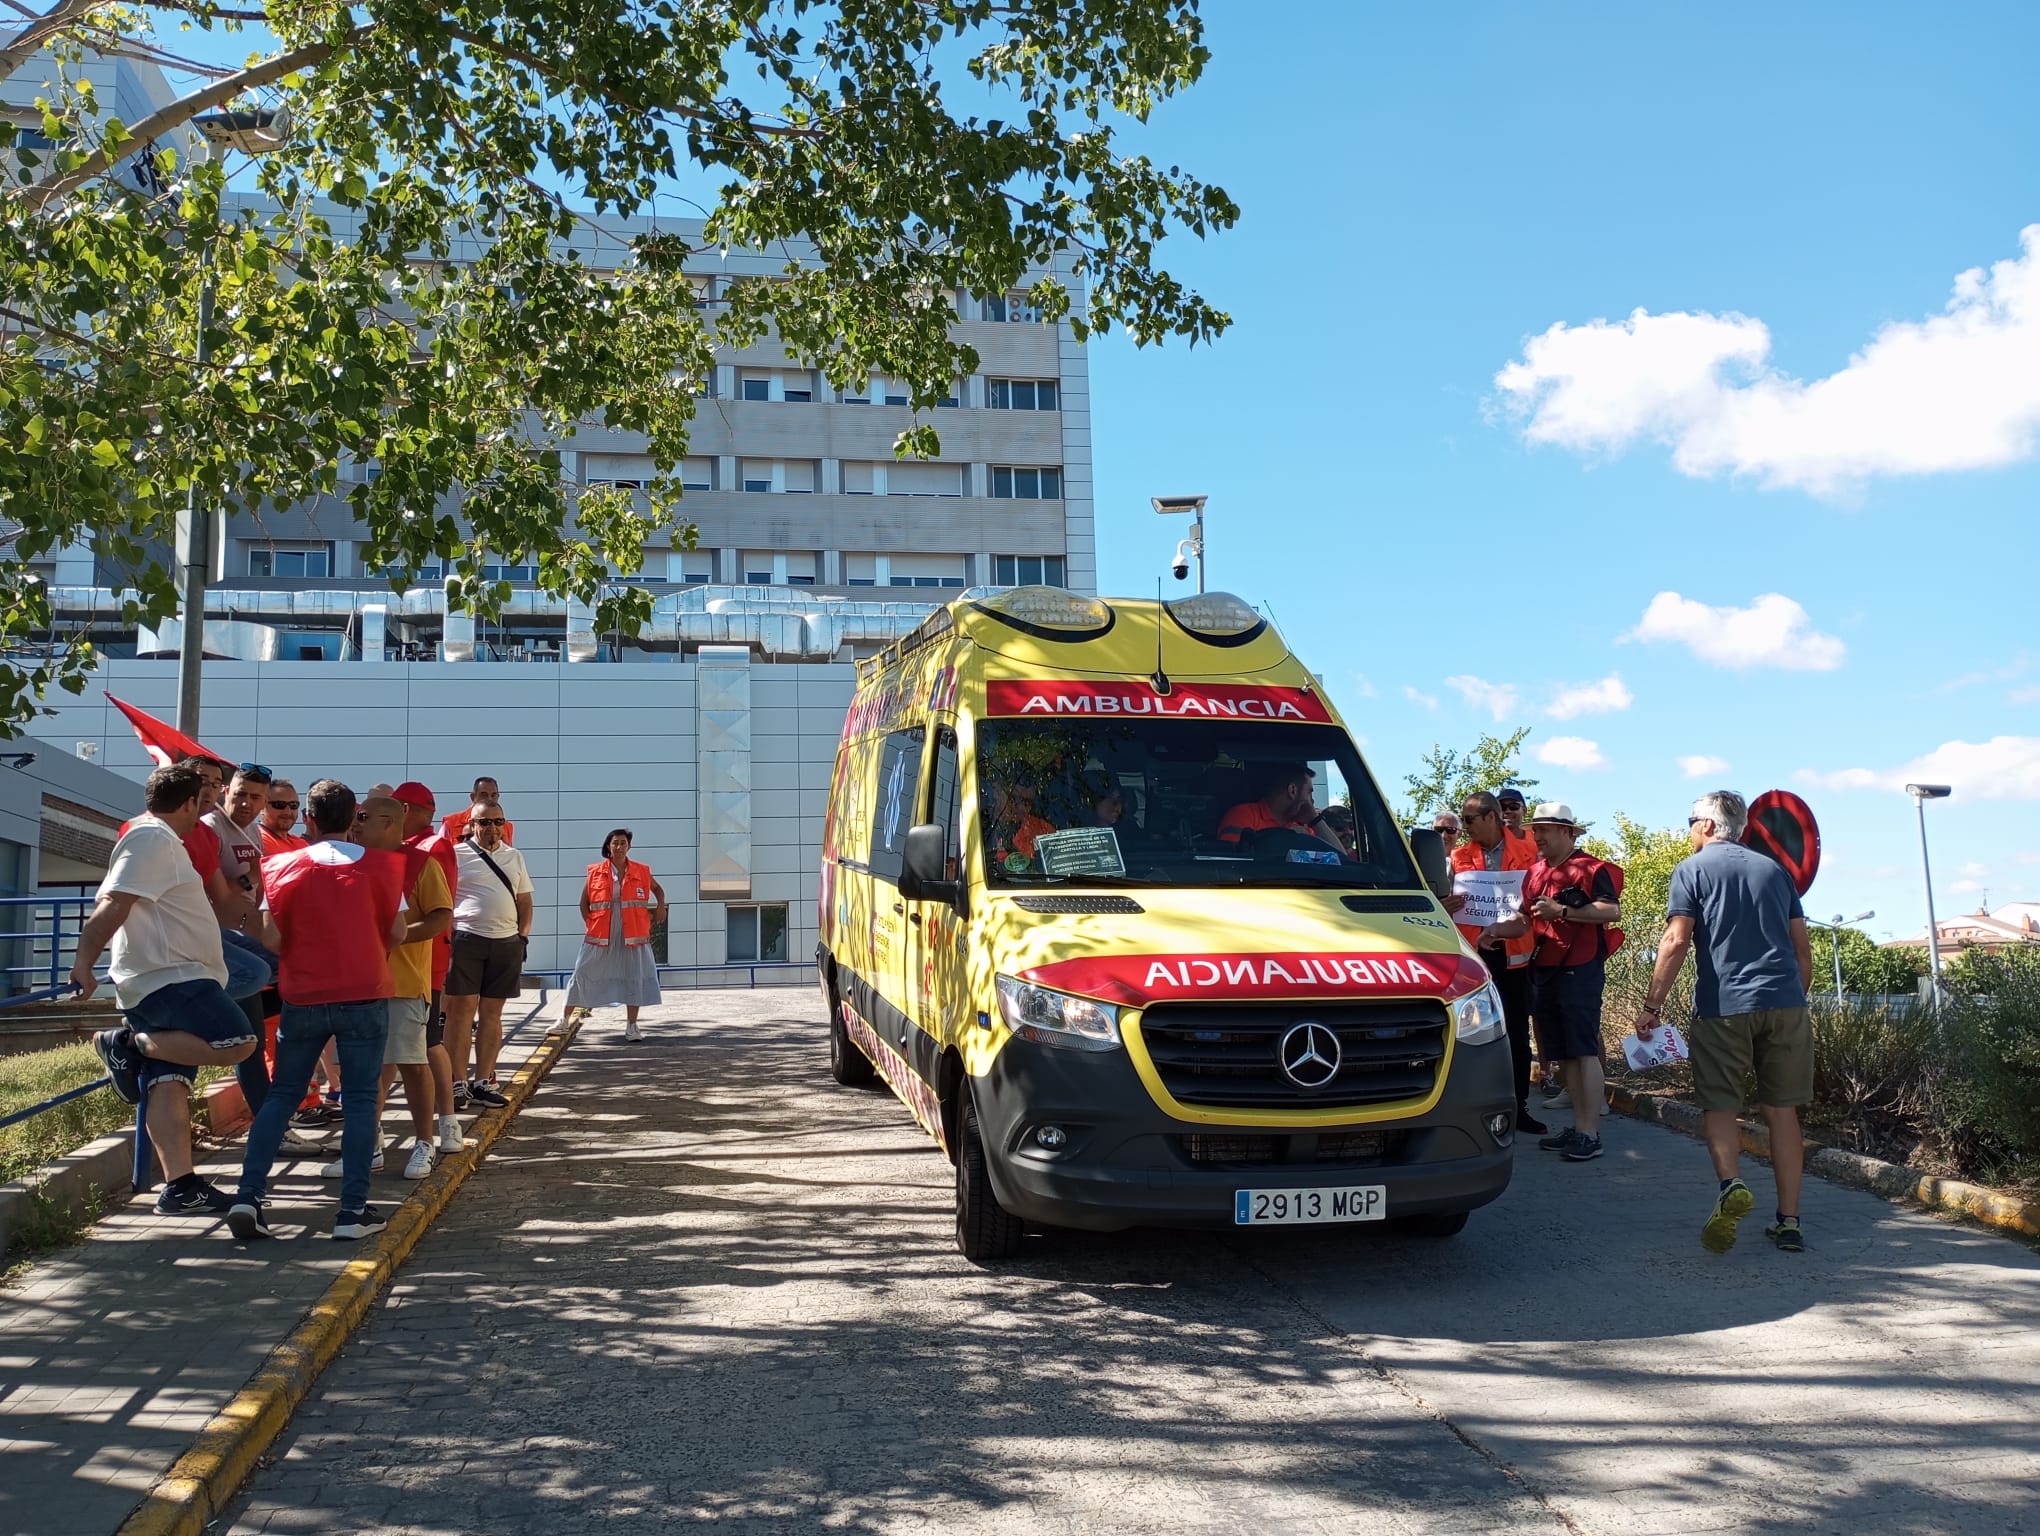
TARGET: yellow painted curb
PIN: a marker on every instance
(210, 1472)
(1992, 1207)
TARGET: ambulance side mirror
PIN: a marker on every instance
(1432, 862)
(921, 868)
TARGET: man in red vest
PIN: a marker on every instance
(335, 912)
(1490, 848)
(1571, 902)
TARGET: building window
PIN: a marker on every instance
(1028, 571)
(308, 561)
(691, 567)
(799, 396)
(1013, 483)
(754, 935)
(756, 485)
(918, 478)
(1020, 394)
(1009, 309)
(519, 572)
(757, 389)
(758, 578)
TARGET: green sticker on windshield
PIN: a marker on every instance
(1016, 863)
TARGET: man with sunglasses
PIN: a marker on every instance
(491, 923)
(1489, 847)
(279, 818)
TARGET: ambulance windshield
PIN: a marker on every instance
(1180, 802)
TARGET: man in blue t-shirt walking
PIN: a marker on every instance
(1749, 1007)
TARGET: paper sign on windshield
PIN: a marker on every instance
(1492, 896)
(1080, 851)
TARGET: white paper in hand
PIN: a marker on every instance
(1663, 1045)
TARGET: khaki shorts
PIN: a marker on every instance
(1774, 1043)
(406, 1044)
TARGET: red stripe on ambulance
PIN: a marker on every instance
(1189, 701)
(1137, 980)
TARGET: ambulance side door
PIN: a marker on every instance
(936, 983)
(896, 799)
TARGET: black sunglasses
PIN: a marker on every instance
(283, 805)
(488, 821)
(1694, 821)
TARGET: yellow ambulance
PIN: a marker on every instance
(1078, 911)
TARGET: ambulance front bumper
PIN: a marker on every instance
(1076, 1140)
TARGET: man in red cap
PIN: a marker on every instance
(419, 809)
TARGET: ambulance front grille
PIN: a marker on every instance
(1228, 1055)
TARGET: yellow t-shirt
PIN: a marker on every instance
(411, 964)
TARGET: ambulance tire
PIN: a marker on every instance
(847, 1065)
(984, 1232)
(1429, 1224)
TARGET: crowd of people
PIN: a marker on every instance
(1735, 910)
(378, 947)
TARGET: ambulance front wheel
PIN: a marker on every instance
(847, 1065)
(984, 1231)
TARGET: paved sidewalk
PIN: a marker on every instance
(115, 1352)
(703, 1287)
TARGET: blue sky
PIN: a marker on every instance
(1425, 190)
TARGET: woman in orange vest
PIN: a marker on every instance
(619, 902)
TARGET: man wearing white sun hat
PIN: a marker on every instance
(1571, 903)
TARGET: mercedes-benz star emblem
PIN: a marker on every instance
(1309, 1053)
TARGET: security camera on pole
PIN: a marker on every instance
(1169, 506)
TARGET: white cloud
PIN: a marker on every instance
(2003, 768)
(1773, 631)
(1701, 766)
(1603, 698)
(2024, 696)
(1569, 752)
(1965, 888)
(1960, 390)
(1499, 699)
(1363, 685)
(1419, 698)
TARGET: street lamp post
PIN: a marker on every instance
(253, 133)
(1169, 506)
(1921, 794)
(1835, 940)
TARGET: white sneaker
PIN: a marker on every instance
(337, 1169)
(632, 1032)
(421, 1159)
(1559, 1100)
(450, 1138)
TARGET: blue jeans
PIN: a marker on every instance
(357, 1031)
(250, 968)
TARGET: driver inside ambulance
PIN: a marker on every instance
(1285, 804)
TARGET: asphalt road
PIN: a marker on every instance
(700, 1286)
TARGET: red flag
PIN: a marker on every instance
(165, 744)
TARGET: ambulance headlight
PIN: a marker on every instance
(1478, 1016)
(1056, 1018)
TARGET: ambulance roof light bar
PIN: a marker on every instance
(1217, 618)
(1049, 613)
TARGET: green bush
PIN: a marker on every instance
(1988, 1092)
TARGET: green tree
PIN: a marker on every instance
(471, 307)
(1447, 777)
(1866, 966)
(1647, 856)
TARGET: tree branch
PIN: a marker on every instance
(182, 111)
(22, 46)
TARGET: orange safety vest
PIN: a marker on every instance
(636, 897)
(1519, 851)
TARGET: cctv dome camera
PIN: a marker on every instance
(1180, 568)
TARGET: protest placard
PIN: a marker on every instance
(1663, 1045)
(1492, 896)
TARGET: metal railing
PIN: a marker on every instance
(39, 941)
(701, 977)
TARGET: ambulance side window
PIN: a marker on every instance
(899, 793)
(945, 805)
